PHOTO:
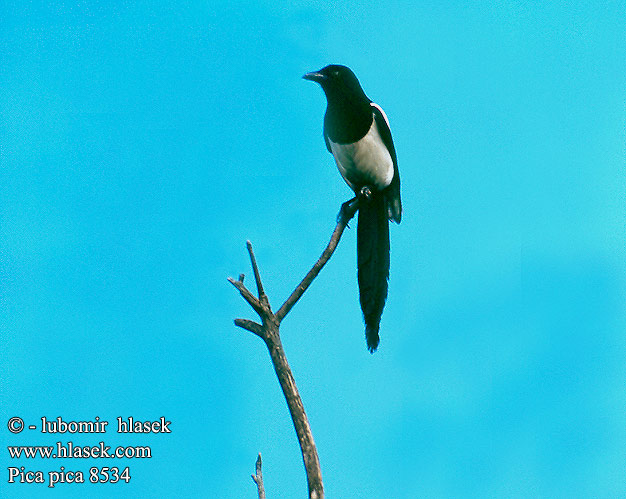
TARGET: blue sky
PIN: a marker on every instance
(142, 144)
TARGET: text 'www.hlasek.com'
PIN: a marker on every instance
(68, 449)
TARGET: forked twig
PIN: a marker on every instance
(258, 478)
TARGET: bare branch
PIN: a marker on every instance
(298, 416)
(251, 326)
(347, 212)
(258, 478)
(247, 295)
(257, 275)
(269, 332)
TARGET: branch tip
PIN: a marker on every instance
(253, 327)
(255, 269)
(258, 478)
(247, 295)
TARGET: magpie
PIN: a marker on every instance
(356, 132)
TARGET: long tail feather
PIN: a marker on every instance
(373, 264)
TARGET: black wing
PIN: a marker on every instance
(326, 139)
(392, 192)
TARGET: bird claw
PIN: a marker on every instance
(365, 193)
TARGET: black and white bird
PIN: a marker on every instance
(356, 131)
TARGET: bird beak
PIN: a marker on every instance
(315, 76)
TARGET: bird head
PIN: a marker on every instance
(338, 82)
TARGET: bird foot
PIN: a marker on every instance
(365, 194)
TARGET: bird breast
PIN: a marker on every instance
(365, 162)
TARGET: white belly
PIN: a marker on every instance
(366, 162)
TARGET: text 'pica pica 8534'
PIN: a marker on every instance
(356, 132)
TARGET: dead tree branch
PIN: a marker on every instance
(258, 478)
(268, 331)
